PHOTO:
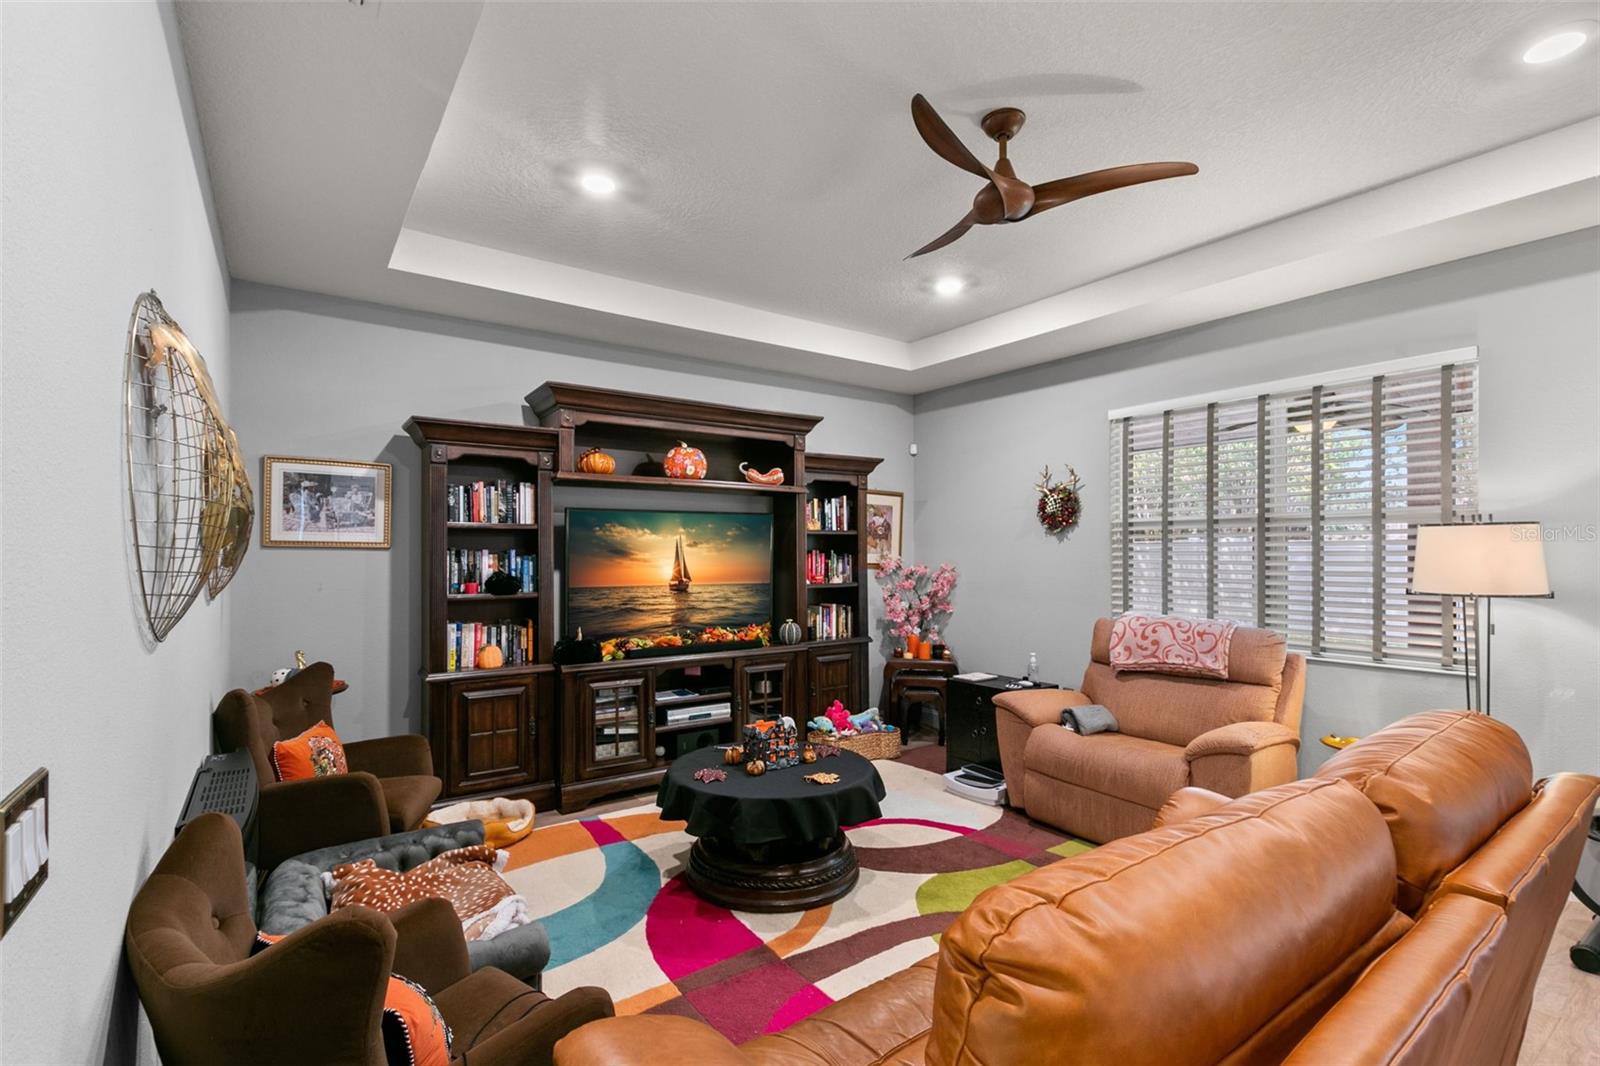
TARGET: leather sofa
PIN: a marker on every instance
(1231, 736)
(389, 788)
(316, 995)
(1393, 908)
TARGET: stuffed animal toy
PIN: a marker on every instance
(820, 724)
(840, 718)
(866, 722)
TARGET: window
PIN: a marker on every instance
(1294, 507)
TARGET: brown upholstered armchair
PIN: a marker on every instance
(1231, 736)
(389, 788)
(316, 995)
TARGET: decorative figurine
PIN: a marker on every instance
(733, 756)
(755, 767)
(755, 477)
(808, 754)
(685, 463)
(595, 461)
(790, 632)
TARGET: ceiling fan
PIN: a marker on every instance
(1007, 198)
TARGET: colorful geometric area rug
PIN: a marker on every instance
(611, 894)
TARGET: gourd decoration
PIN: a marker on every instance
(490, 657)
(595, 461)
(1059, 501)
(808, 754)
(755, 767)
(733, 756)
(685, 463)
(756, 477)
(790, 632)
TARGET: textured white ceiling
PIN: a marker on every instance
(768, 155)
(424, 155)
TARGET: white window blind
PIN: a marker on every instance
(1296, 509)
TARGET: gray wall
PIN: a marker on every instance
(319, 376)
(104, 197)
(1532, 313)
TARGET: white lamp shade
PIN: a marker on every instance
(1480, 559)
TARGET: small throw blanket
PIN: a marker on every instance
(468, 878)
(1088, 719)
(1161, 644)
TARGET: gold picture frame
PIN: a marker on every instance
(884, 525)
(325, 503)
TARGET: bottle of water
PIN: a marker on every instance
(1033, 667)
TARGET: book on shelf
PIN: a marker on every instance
(491, 503)
(464, 640)
(475, 565)
(831, 621)
(830, 515)
(830, 567)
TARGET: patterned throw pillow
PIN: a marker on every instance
(1160, 644)
(314, 753)
(414, 1032)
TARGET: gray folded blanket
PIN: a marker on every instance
(1088, 719)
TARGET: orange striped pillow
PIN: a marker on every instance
(314, 753)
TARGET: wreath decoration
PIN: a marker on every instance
(1059, 502)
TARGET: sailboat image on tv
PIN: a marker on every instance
(680, 579)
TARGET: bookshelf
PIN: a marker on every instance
(835, 567)
(485, 509)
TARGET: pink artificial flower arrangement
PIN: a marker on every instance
(916, 600)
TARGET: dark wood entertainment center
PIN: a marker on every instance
(568, 735)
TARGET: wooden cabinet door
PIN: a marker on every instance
(615, 728)
(765, 688)
(832, 675)
(491, 734)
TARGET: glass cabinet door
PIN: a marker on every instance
(618, 711)
(764, 688)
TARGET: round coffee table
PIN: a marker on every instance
(774, 842)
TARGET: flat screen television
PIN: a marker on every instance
(651, 574)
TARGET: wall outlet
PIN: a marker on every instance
(25, 847)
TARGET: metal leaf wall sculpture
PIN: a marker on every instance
(190, 501)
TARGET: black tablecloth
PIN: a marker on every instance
(778, 805)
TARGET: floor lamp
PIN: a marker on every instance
(1480, 561)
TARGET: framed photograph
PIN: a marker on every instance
(885, 516)
(324, 503)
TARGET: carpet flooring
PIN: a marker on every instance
(609, 890)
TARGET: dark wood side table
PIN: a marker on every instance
(915, 681)
(971, 710)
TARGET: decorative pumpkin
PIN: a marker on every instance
(808, 754)
(685, 463)
(755, 477)
(755, 767)
(490, 657)
(733, 756)
(790, 632)
(595, 461)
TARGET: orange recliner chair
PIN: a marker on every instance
(389, 788)
(1231, 736)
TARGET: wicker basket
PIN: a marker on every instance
(881, 745)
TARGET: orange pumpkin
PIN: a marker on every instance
(733, 756)
(490, 657)
(595, 461)
(685, 463)
(755, 767)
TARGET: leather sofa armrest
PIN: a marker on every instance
(1243, 757)
(532, 1038)
(1186, 803)
(407, 755)
(429, 945)
(1039, 706)
(646, 1038)
(317, 812)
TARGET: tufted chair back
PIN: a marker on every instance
(255, 723)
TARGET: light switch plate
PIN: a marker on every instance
(25, 862)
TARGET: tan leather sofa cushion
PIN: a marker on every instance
(1424, 1001)
(884, 1024)
(1097, 956)
(1445, 782)
(1143, 771)
(1175, 710)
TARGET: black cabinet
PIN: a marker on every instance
(970, 735)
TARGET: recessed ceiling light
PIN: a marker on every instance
(948, 285)
(597, 183)
(1551, 48)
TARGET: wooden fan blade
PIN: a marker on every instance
(949, 235)
(942, 140)
(1065, 190)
